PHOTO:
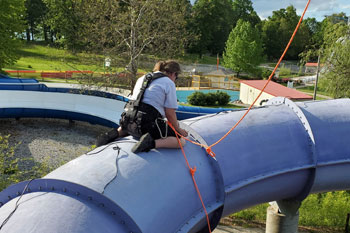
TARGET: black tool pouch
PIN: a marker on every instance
(135, 110)
(131, 119)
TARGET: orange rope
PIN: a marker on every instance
(192, 172)
(208, 148)
(273, 72)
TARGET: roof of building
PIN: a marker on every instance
(276, 89)
(311, 64)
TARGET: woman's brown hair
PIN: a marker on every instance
(169, 66)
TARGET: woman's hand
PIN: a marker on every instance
(182, 132)
(171, 116)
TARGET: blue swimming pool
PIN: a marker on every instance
(182, 94)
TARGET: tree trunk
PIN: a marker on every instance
(133, 50)
(28, 34)
(32, 32)
(133, 71)
(52, 34)
(45, 33)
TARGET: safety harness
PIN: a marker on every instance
(135, 111)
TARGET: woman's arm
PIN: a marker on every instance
(171, 116)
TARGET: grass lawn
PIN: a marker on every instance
(36, 56)
(322, 212)
(310, 90)
(39, 56)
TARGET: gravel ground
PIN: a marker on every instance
(54, 141)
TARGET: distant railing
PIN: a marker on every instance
(196, 82)
(69, 74)
(215, 82)
(46, 74)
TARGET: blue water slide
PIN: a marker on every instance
(284, 150)
(8, 79)
(43, 88)
(183, 112)
(46, 104)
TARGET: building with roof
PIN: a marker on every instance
(218, 79)
(250, 89)
(311, 67)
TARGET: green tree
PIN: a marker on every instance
(130, 28)
(315, 29)
(311, 52)
(64, 19)
(277, 30)
(337, 76)
(333, 29)
(11, 24)
(243, 9)
(212, 21)
(323, 36)
(35, 13)
(336, 18)
(244, 50)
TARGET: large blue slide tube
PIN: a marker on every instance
(281, 151)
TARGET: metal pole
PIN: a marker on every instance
(217, 61)
(283, 217)
(317, 74)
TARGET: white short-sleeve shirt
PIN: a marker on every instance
(161, 93)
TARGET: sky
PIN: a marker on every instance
(317, 8)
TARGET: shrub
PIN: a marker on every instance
(254, 213)
(284, 72)
(265, 73)
(210, 99)
(197, 98)
(326, 209)
(10, 171)
(320, 210)
(200, 99)
(8, 163)
(222, 97)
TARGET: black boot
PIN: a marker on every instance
(108, 137)
(146, 143)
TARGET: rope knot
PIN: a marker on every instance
(193, 170)
(210, 152)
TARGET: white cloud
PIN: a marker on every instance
(323, 5)
(317, 8)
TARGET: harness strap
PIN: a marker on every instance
(149, 77)
(135, 110)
